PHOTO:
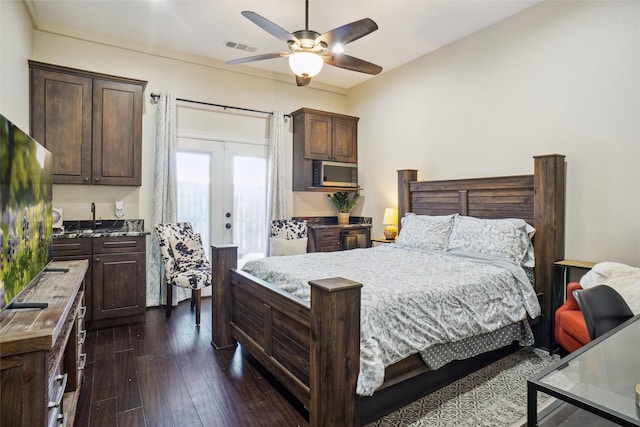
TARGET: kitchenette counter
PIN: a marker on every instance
(102, 228)
(326, 235)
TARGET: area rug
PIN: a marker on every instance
(494, 396)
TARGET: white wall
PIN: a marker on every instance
(16, 44)
(561, 77)
(189, 78)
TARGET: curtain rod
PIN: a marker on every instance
(156, 96)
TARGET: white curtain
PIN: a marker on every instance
(277, 192)
(165, 198)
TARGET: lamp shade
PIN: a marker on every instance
(305, 64)
(390, 216)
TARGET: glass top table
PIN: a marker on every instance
(600, 377)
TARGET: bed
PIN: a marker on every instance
(312, 345)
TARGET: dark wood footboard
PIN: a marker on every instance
(296, 341)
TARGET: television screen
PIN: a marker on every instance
(25, 210)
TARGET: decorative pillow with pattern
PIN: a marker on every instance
(429, 232)
(288, 229)
(188, 252)
(503, 238)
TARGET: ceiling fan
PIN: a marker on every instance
(309, 50)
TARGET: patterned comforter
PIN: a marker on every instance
(414, 301)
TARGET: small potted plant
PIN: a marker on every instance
(343, 203)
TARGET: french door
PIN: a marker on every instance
(222, 191)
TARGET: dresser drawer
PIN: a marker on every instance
(110, 245)
(55, 414)
(72, 247)
(327, 234)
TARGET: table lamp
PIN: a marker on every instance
(390, 219)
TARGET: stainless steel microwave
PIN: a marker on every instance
(334, 174)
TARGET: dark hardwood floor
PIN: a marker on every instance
(165, 372)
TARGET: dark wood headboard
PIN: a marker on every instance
(538, 199)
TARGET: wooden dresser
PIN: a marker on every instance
(41, 350)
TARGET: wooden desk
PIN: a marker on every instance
(41, 350)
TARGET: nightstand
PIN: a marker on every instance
(561, 276)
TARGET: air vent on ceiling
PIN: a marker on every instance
(240, 46)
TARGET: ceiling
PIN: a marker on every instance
(408, 29)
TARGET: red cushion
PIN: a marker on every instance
(570, 328)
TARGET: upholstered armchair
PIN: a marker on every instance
(570, 327)
(184, 261)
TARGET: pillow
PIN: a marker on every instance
(188, 252)
(288, 228)
(425, 231)
(503, 238)
(526, 242)
(281, 247)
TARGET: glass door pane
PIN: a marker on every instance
(249, 206)
(222, 191)
(194, 172)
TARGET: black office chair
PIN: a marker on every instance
(603, 309)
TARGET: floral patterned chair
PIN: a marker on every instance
(184, 261)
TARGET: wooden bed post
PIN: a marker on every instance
(335, 352)
(405, 176)
(223, 259)
(549, 222)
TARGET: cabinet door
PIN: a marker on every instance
(345, 137)
(61, 121)
(317, 136)
(118, 285)
(117, 133)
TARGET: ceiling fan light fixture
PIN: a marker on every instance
(305, 64)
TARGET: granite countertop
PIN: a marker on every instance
(103, 228)
(355, 225)
(318, 222)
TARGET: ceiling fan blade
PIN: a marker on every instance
(269, 26)
(352, 63)
(348, 33)
(302, 81)
(256, 58)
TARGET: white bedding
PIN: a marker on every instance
(412, 300)
(623, 278)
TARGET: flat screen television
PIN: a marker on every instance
(26, 187)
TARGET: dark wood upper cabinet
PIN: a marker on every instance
(117, 133)
(321, 135)
(345, 139)
(91, 122)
